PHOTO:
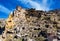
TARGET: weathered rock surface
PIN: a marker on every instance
(31, 25)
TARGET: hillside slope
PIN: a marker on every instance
(32, 25)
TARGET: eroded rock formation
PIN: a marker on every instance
(31, 25)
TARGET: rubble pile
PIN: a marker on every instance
(32, 25)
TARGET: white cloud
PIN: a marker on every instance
(4, 9)
(44, 1)
(36, 5)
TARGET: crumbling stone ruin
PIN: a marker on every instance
(32, 25)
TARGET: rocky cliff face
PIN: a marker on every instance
(31, 25)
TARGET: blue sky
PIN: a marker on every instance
(7, 6)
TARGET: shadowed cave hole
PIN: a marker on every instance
(1, 30)
(9, 32)
(43, 33)
(24, 39)
(46, 40)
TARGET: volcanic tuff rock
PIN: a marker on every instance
(31, 25)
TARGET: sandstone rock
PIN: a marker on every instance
(23, 23)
